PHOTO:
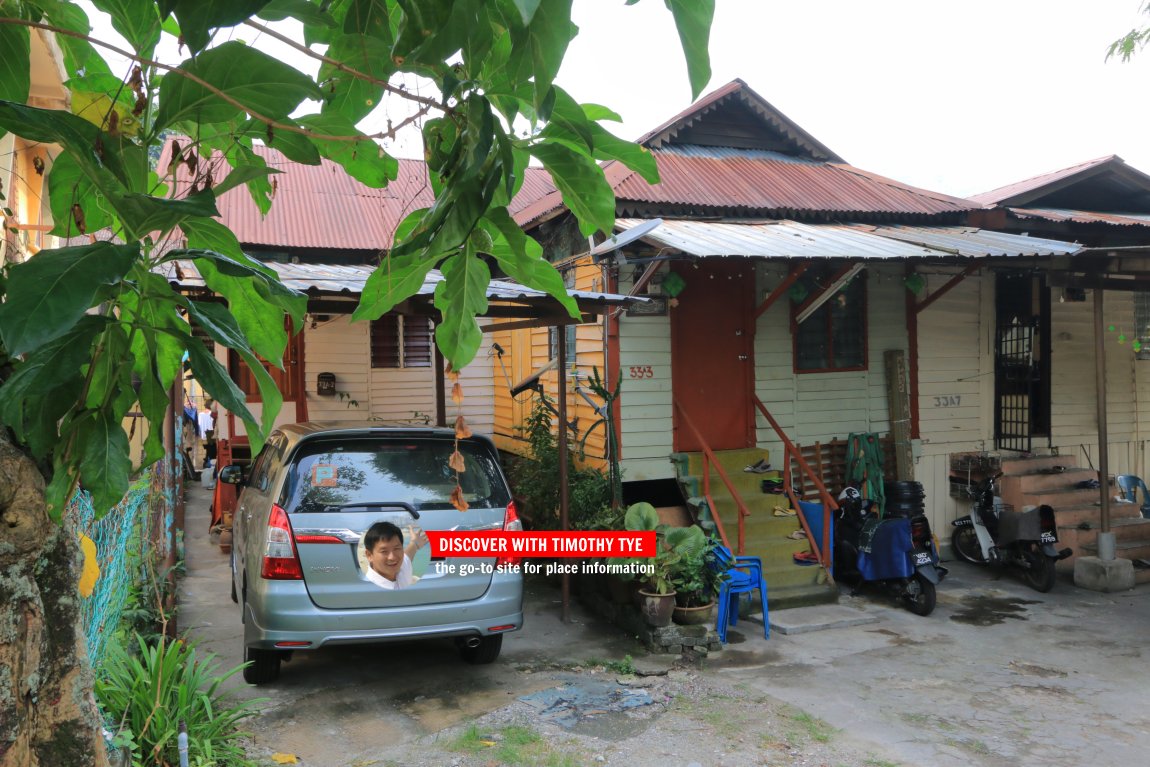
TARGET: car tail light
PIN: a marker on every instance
(280, 562)
(511, 523)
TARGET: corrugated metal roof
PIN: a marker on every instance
(1083, 216)
(792, 239)
(1005, 193)
(763, 183)
(348, 280)
(322, 207)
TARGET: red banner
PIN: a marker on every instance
(549, 543)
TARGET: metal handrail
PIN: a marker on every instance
(708, 457)
(829, 503)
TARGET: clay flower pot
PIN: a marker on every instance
(656, 608)
(693, 616)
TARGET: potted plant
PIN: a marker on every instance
(696, 580)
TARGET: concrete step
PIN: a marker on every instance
(1062, 498)
(1036, 463)
(1132, 549)
(1075, 515)
(1037, 481)
(786, 597)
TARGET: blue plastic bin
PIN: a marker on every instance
(814, 513)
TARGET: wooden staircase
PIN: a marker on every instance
(766, 535)
(1033, 481)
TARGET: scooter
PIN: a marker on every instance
(896, 554)
(993, 533)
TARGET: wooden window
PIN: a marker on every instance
(284, 379)
(834, 337)
(1141, 341)
(401, 342)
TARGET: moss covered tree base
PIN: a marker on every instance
(48, 715)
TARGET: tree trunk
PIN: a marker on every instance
(48, 713)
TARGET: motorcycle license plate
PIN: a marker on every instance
(923, 558)
(1048, 537)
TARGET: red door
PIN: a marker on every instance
(712, 362)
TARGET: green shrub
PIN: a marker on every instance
(535, 479)
(149, 694)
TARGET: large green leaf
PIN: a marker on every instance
(96, 154)
(396, 279)
(161, 335)
(215, 380)
(254, 79)
(243, 175)
(607, 146)
(153, 399)
(210, 235)
(45, 385)
(110, 371)
(137, 22)
(585, 190)
(295, 146)
(527, 9)
(104, 458)
(222, 328)
(144, 213)
(199, 17)
(68, 187)
(15, 63)
(550, 32)
(521, 258)
(459, 298)
(48, 294)
(693, 20)
(257, 301)
(301, 10)
(350, 95)
(364, 160)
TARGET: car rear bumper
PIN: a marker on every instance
(298, 621)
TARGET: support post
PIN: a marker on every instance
(561, 397)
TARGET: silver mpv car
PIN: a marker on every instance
(299, 569)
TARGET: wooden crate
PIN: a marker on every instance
(828, 460)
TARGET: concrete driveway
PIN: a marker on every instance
(998, 674)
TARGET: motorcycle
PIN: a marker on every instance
(895, 554)
(993, 533)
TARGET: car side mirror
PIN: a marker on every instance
(232, 475)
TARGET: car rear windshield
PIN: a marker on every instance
(330, 475)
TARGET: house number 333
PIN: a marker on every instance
(641, 371)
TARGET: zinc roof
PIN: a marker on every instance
(1083, 216)
(757, 182)
(348, 281)
(793, 239)
(1004, 194)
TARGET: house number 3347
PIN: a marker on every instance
(641, 371)
(950, 400)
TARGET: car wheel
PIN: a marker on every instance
(263, 666)
(485, 652)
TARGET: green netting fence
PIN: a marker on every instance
(132, 541)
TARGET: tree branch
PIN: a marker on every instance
(202, 83)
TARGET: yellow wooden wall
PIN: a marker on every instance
(526, 350)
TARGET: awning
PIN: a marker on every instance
(335, 289)
(791, 239)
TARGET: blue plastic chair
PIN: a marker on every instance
(743, 576)
(1130, 485)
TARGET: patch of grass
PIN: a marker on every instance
(976, 747)
(623, 667)
(513, 746)
(814, 728)
(872, 762)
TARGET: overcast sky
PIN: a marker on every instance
(958, 97)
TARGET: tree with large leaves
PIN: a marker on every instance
(89, 331)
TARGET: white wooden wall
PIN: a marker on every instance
(342, 347)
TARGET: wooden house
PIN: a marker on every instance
(800, 300)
